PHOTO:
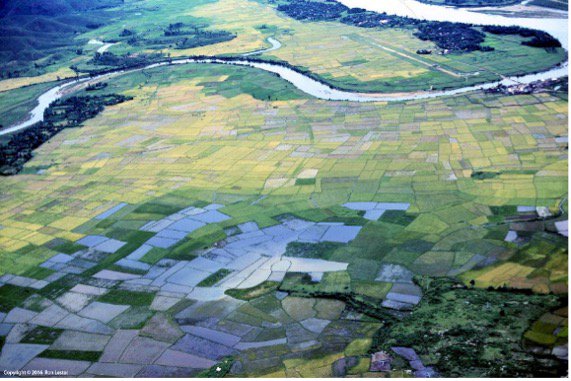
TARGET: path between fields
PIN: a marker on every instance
(434, 66)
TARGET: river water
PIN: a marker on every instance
(557, 27)
(275, 46)
(410, 8)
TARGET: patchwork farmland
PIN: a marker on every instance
(222, 222)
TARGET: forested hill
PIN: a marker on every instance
(52, 7)
(45, 29)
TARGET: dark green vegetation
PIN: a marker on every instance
(16, 104)
(237, 80)
(179, 36)
(452, 37)
(555, 4)
(254, 292)
(60, 286)
(42, 335)
(466, 332)
(397, 217)
(157, 208)
(61, 114)
(120, 62)
(214, 278)
(96, 86)
(481, 175)
(539, 39)
(71, 355)
(312, 10)
(244, 81)
(66, 247)
(132, 298)
(336, 285)
(485, 175)
(472, 3)
(219, 370)
(13, 296)
(309, 181)
(460, 331)
(134, 239)
(35, 34)
(184, 250)
(340, 286)
(322, 250)
(38, 36)
(126, 270)
(37, 273)
(548, 331)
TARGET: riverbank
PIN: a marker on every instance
(303, 81)
(316, 86)
(275, 46)
(557, 27)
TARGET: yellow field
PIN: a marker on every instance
(365, 59)
(174, 137)
(14, 83)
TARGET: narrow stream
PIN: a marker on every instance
(275, 46)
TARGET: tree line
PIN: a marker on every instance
(61, 114)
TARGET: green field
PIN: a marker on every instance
(387, 57)
(16, 104)
(202, 226)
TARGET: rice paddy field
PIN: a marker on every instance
(222, 222)
(386, 58)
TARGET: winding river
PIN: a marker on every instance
(410, 8)
(275, 46)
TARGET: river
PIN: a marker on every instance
(275, 46)
(410, 8)
(557, 27)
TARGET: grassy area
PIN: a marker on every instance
(387, 59)
(40, 34)
(60, 286)
(219, 370)
(132, 298)
(214, 278)
(322, 250)
(68, 247)
(38, 273)
(135, 240)
(472, 3)
(254, 292)
(71, 355)
(562, 5)
(42, 335)
(332, 283)
(472, 332)
(12, 296)
(16, 104)
(27, 258)
(200, 146)
(201, 134)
